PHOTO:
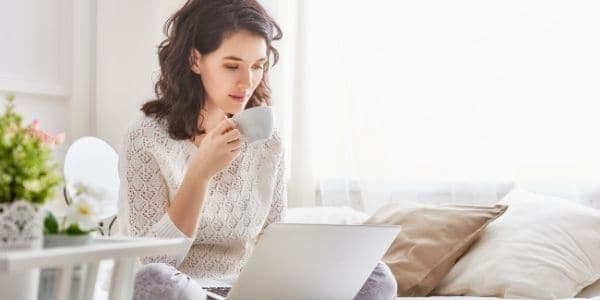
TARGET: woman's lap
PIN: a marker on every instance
(162, 281)
(381, 284)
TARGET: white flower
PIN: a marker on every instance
(83, 212)
(86, 189)
(79, 188)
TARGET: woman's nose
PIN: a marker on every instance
(245, 80)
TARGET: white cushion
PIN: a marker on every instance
(542, 247)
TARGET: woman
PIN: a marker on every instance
(186, 171)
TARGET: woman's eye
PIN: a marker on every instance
(230, 67)
(257, 67)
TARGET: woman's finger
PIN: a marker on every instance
(232, 135)
(236, 151)
(235, 145)
(225, 126)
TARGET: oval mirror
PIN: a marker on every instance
(93, 163)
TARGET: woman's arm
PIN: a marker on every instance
(144, 196)
(217, 149)
(279, 199)
(144, 190)
(185, 210)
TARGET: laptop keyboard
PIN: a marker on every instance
(221, 291)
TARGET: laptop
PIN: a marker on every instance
(308, 261)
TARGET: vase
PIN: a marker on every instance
(48, 276)
(65, 240)
(20, 230)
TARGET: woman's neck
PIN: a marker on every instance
(210, 117)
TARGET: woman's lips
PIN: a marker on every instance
(237, 98)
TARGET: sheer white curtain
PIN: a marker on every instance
(391, 95)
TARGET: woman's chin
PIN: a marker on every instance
(233, 111)
(232, 107)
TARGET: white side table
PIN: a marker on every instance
(123, 251)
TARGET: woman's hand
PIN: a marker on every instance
(219, 147)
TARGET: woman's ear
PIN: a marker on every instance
(195, 61)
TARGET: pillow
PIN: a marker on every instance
(543, 247)
(590, 291)
(432, 239)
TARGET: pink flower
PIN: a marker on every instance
(49, 140)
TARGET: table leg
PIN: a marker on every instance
(123, 278)
(63, 284)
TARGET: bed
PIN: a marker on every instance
(586, 196)
(347, 215)
(435, 194)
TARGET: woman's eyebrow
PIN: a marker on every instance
(263, 59)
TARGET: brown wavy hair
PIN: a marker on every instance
(202, 25)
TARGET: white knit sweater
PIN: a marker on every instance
(240, 201)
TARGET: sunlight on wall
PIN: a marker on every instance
(461, 89)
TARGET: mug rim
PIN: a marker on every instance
(250, 110)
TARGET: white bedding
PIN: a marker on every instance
(345, 215)
(334, 215)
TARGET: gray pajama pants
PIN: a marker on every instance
(162, 281)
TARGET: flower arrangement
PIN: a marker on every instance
(27, 171)
(80, 216)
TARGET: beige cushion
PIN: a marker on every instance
(592, 290)
(543, 247)
(433, 237)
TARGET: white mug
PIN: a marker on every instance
(255, 123)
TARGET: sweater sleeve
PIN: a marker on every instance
(279, 200)
(144, 198)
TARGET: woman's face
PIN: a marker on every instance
(231, 73)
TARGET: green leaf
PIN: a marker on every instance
(50, 223)
(73, 229)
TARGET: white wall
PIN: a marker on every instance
(124, 64)
(35, 61)
(82, 67)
